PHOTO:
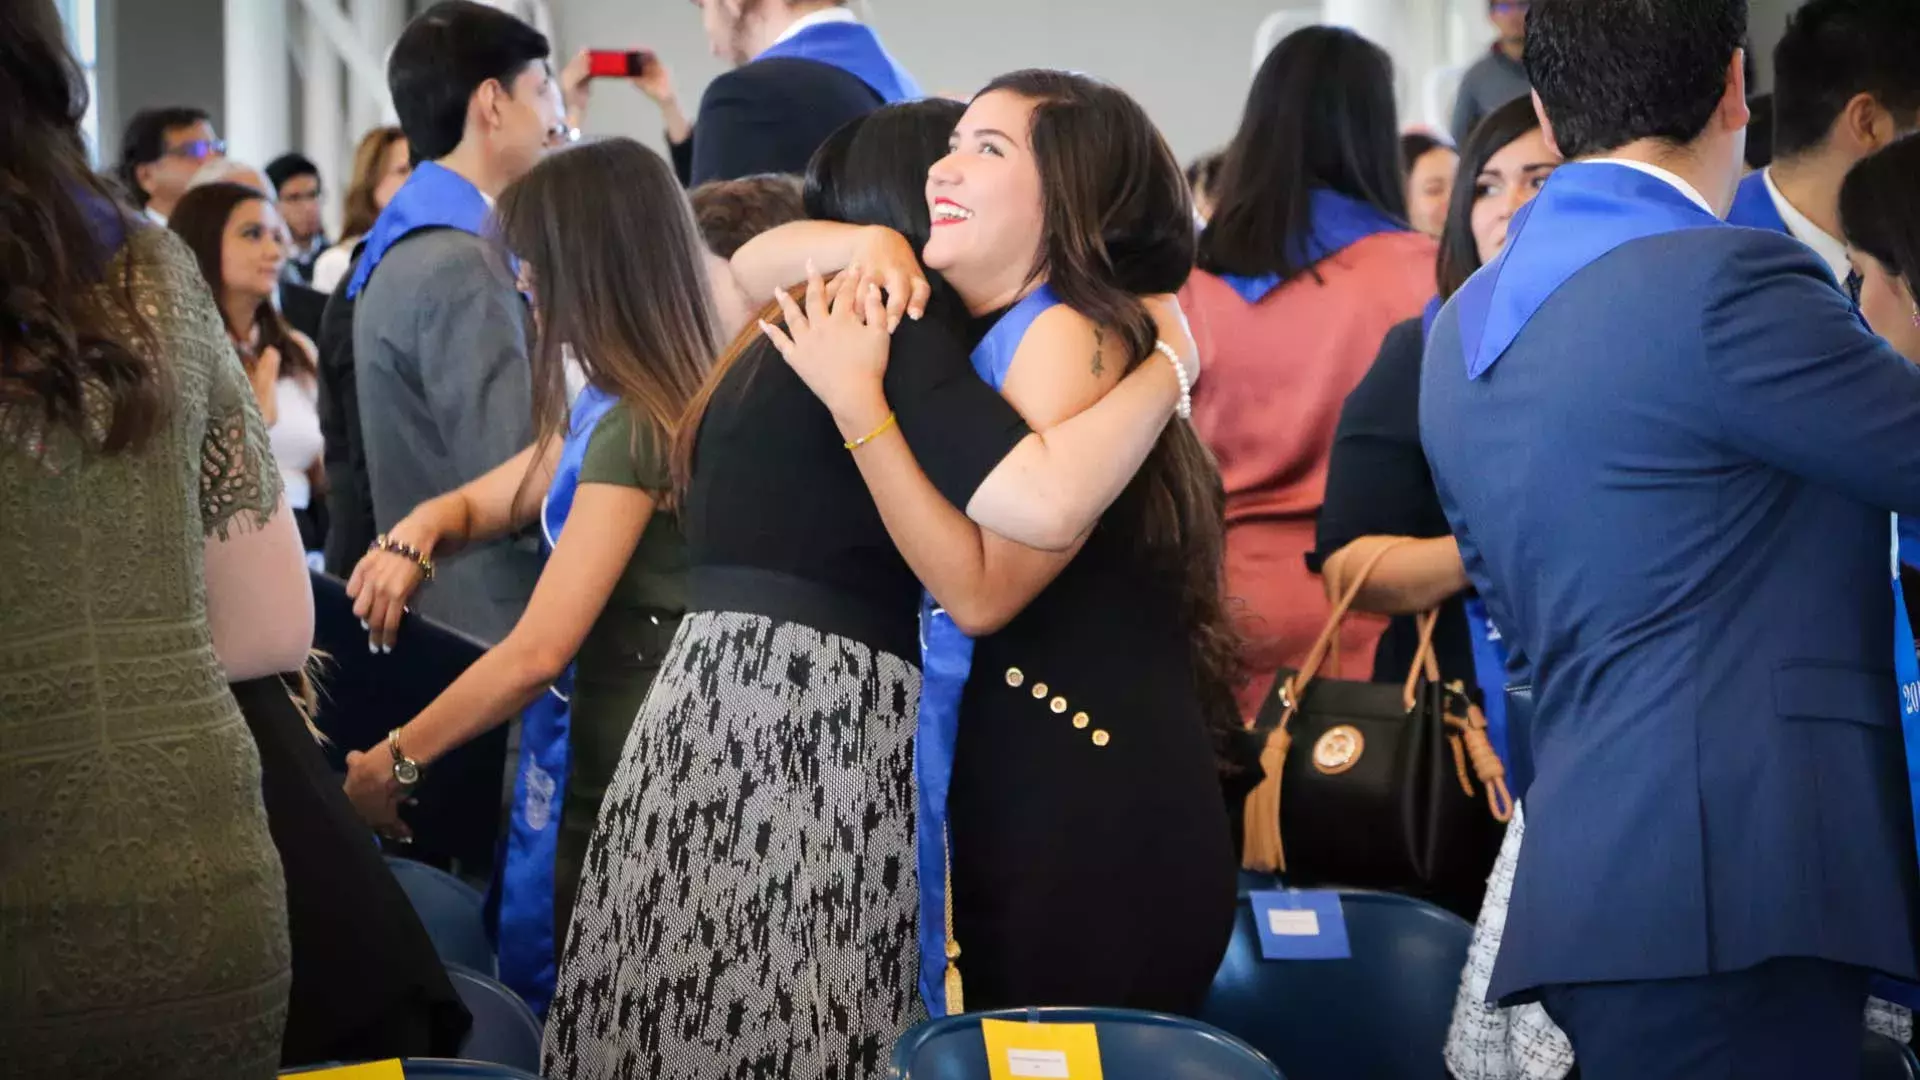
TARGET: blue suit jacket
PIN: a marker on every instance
(1672, 490)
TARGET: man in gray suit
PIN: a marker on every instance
(439, 329)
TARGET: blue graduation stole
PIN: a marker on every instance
(946, 659)
(526, 883)
(855, 49)
(1339, 222)
(1585, 211)
(434, 197)
(1906, 668)
(1753, 206)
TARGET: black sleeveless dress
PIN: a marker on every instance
(1092, 864)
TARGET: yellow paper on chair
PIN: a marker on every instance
(378, 1070)
(1023, 1051)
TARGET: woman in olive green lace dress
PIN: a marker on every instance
(142, 910)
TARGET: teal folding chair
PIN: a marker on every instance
(504, 1031)
(1133, 1046)
(453, 912)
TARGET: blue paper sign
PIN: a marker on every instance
(1300, 925)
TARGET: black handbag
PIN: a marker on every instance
(1381, 793)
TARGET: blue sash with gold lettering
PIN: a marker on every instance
(946, 659)
(1906, 668)
(527, 949)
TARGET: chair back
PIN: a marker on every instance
(505, 1031)
(1133, 1046)
(1382, 1012)
(457, 807)
(440, 1069)
(1884, 1059)
(453, 912)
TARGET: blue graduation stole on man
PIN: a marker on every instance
(1585, 211)
(434, 197)
(1339, 222)
(1753, 206)
(855, 49)
(527, 948)
(946, 659)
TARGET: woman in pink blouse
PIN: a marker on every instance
(1305, 265)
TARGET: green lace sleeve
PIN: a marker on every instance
(239, 483)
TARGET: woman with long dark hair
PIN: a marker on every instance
(595, 480)
(148, 559)
(239, 241)
(1304, 267)
(1090, 854)
(748, 901)
(1880, 215)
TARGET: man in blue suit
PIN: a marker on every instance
(1846, 80)
(1668, 450)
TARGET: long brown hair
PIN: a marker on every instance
(369, 168)
(60, 228)
(872, 171)
(200, 218)
(1117, 223)
(618, 278)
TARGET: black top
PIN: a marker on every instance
(350, 527)
(777, 519)
(1379, 484)
(769, 117)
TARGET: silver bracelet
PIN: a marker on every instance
(1185, 409)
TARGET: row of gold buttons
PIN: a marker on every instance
(1017, 678)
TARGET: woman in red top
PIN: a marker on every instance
(1306, 264)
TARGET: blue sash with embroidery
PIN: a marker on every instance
(1906, 668)
(1339, 222)
(434, 197)
(855, 49)
(527, 948)
(946, 659)
(1585, 211)
(1753, 206)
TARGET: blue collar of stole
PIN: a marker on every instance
(434, 197)
(1338, 222)
(1586, 210)
(1754, 208)
(855, 49)
(946, 659)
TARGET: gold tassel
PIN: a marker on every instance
(1263, 850)
(956, 998)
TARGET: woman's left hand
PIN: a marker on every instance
(375, 793)
(838, 346)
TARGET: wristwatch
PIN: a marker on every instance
(405, 769)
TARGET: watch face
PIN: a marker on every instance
(406, 772)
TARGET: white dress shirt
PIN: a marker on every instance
(1659, 173)
(818, 18)
(1831, 251)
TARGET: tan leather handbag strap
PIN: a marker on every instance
(1316, 656)
(1467, 735)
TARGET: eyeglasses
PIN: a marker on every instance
(562, 134)
(1511, 7)
(198, 149)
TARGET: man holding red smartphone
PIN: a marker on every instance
(805, 67)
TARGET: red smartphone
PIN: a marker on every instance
(618, 63)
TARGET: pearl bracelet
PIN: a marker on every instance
(1185, 409)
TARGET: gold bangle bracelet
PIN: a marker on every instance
(874, 434)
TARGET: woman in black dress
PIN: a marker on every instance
(1091, 862)
(747, 903)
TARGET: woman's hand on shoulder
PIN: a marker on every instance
(885, 258)
(838, 346)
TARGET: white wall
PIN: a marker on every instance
(1188, 61)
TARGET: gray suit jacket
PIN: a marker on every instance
(440, 351)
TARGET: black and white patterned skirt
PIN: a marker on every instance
(748, 903)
